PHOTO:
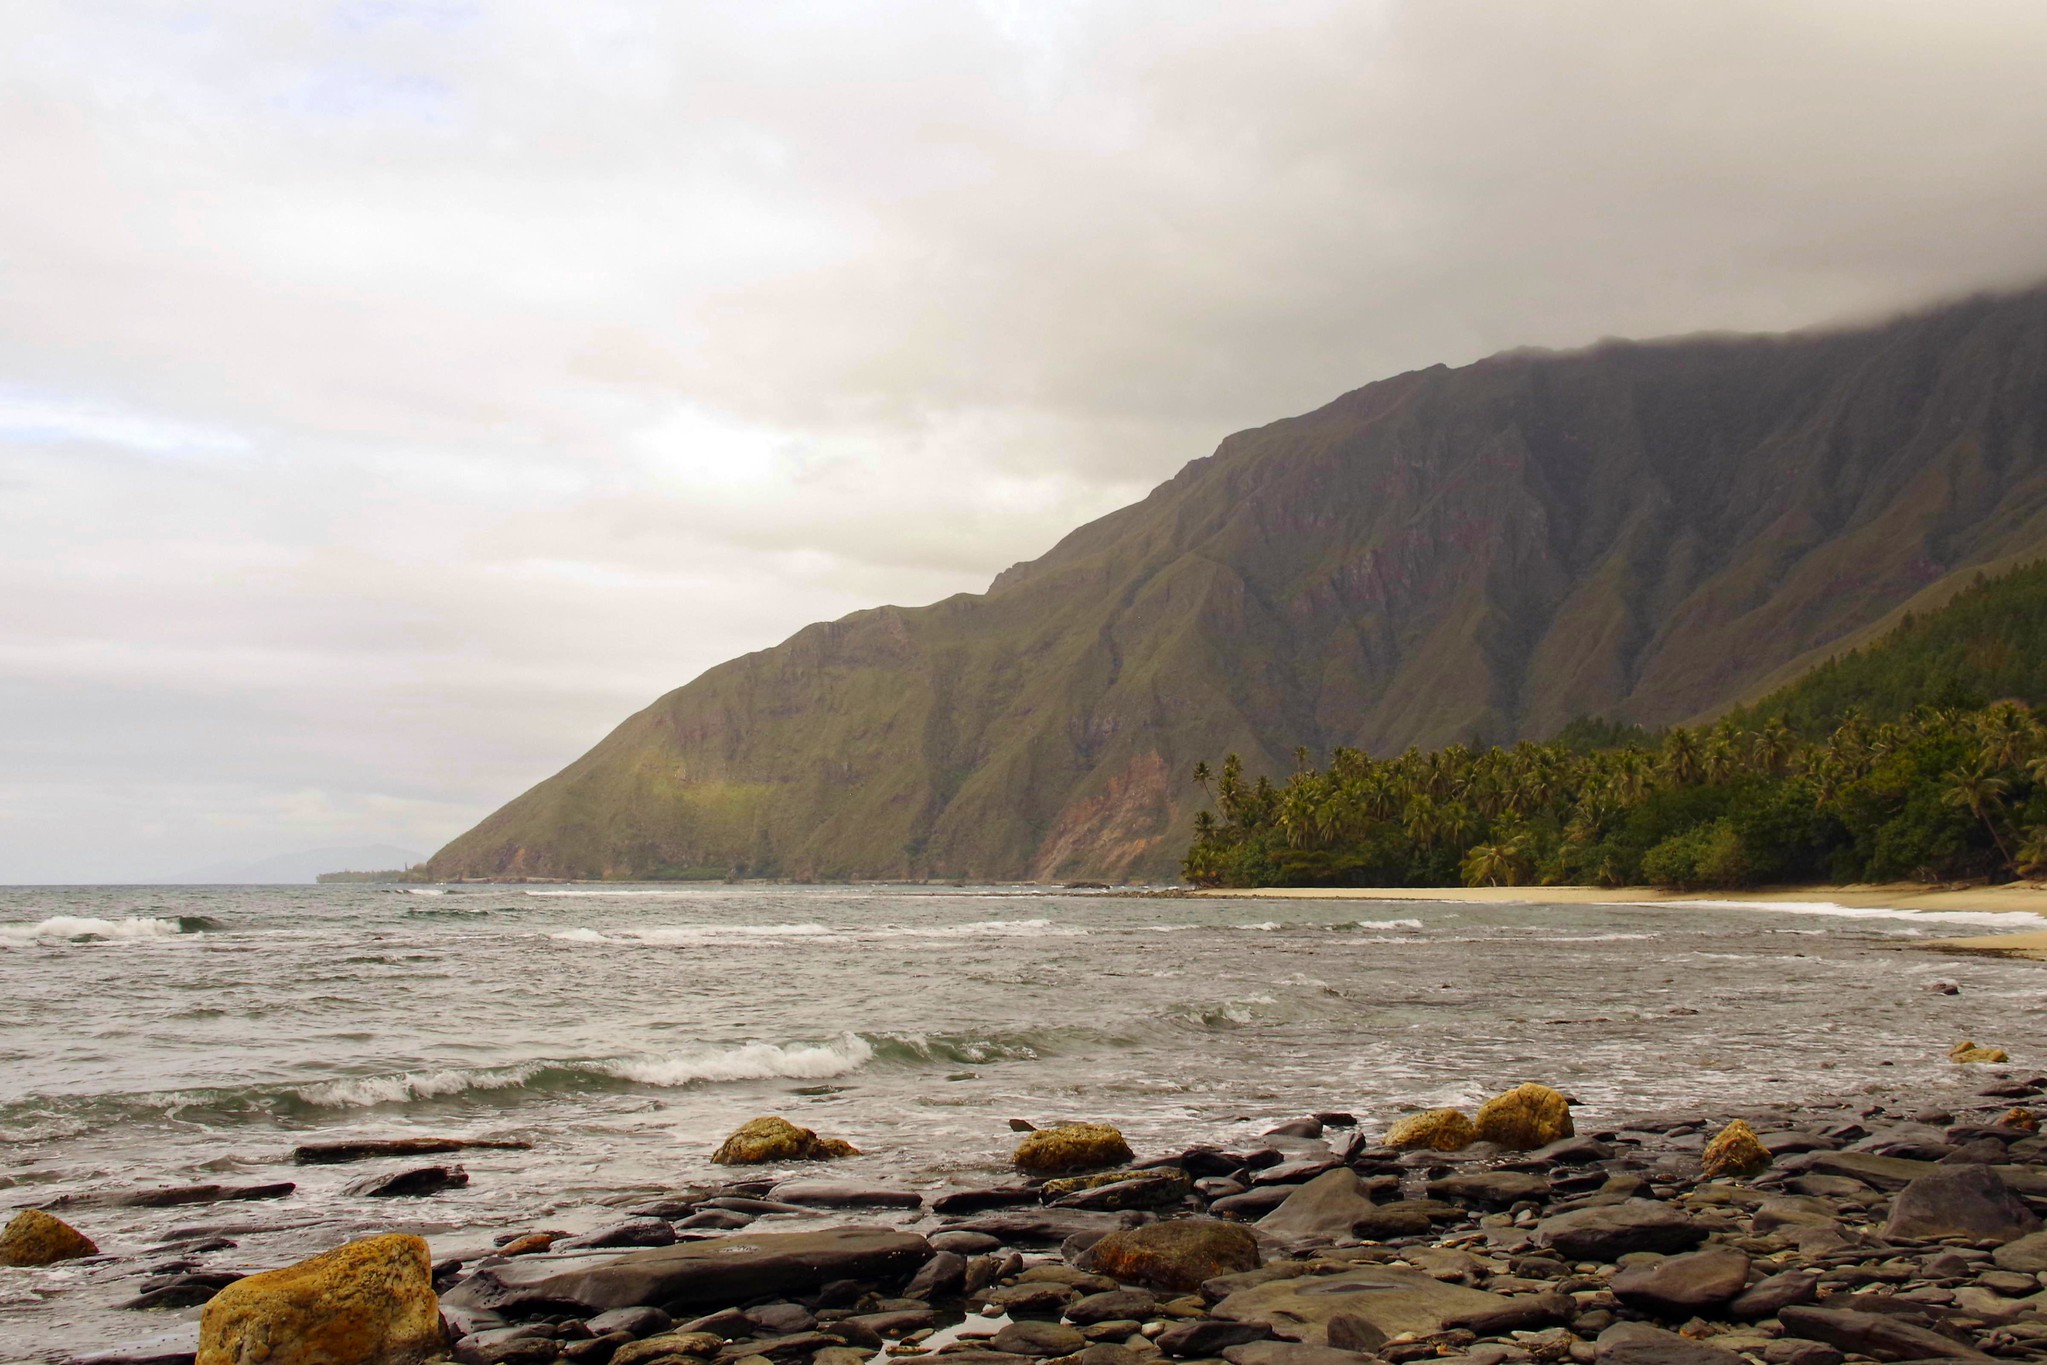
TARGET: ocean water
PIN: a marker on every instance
(172, 1036)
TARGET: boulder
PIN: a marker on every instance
(1490, 1187)
(1071, 1147)
(1959, 1201)
(1683, 1286)
(1966, 1052)
(1432, 1130)
(367, 1303)
(1325, 1208)
(1609, 1231)
(416, 1183)
(944, 1276)
(1873, 1334)
(1524, 1118)
(758, 1142)
(714, 1271)
(1176, 1255)
(1637, 1343)
(1385, 1300)
(1735, 1151)
(33, 1237)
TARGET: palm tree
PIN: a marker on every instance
(1979, 790)
(1681, 757)
(2032, 855)
(1488, 865)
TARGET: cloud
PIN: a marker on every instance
(393, 395)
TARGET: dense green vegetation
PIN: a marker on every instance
(1918, 757)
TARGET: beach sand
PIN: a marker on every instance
(2017, 896)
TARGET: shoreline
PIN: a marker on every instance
(2015, 897)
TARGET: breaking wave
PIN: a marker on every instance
(87, 929)
(681, 935)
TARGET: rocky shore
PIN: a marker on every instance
(1906, 1229)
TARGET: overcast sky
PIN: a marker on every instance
(393, 396)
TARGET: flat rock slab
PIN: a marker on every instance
(1609, 1231)
(1491, 1187)
(715, 1271)
(1681, 1286)
(1040, 1225)
(333, 1153)
(2028, 1255)
(1325, 1208)
(833, 1194)
(1883, 1172)
(1392, 1300)
(1289, 1353)
(412, 1184)
(1637, 1343)
(173, 1198)
(1873, 1334)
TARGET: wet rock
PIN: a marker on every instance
(1176, 1255)
(1959, 1201)
(2027, 1255)
(1038, 1340)
(597, 1350)
(832, 1194)
(1384, 1222)
(640, 1322)
(1637, 1343)
(1297, 1172)
(1967, 1053)
(1043, 1225)
(1071, 1147)
(761, 1141)
(1140, 1192)
(1298, 1128)
(1324, 1208)
(1881, 1172)
(1873, 1334)
(1520, 1313)
(712, 1271)
(1432, 1130)
(1253, 1203)
(1039, 1300)
(1734, 1151)
(33, 1237)
(780, 1319)
(1766, 1296)
(977, 1201)
(964, 1243)
(1209, 1337)
(1524, 1118)
(1491, 1187)
(633, 1232)
(944, 1276)
(1572, 1151)
(367, 1303)
(186, 1291)
(667, 1346)
(1682, 1286)
(1387, 1299)
(1793, 1210)
(416, 1183)
(1113, 1305)
(1293, 1353)
(716, 1220)
(334, 1153)
(1608, 1232)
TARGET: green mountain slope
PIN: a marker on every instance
(1641, 531)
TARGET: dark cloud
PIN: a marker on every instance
(393, 395)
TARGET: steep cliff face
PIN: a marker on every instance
(1643, 531)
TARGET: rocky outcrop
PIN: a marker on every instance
(1524, 1118)
(34, 1237)
(1434, 1130)
(368, 1303)
(1388, 1299)
(1960, 1201)
(1071, 1147)
(759, 1142)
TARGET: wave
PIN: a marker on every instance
(87, 929)
(692, 934)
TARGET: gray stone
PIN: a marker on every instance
(1608, 1232)
(1032, 1300)
(1682, 1286)
(1324, 1208)
(641, 1322)
(965, 1243)
(715, 1270)
(834, 1194)
(1115, 1304)
(1041, 1226)
(1959, 1201)
(633, 1232)
(2027, 1255)
(1520, 1313)
(1289, 1353)
(1209, 1337)
(1491, 1187)
(1038, 1339)
(415, 1183)
(944, 1276)
(1766, 1296)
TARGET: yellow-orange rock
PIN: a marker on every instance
(2021, 1117)
(367, 1303)
(37, 1238)
(763, 1140)
(1735, 1151)
(1433, 1130)
(1966, 1052)
(1071, 1147)
(1526, 1117)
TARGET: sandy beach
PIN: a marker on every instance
(2016, 896)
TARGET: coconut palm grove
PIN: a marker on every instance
(1919, 757)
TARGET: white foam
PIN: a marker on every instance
(360, 1091)
(747, 1062)
(424, 891)
(579, 936)
(74, 928)
(986, 928)
(1993, 919)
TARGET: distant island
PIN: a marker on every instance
(396, 874)
(1918, 758)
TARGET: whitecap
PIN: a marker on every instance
(85, 929)
(746, 1062)
(1994, 919)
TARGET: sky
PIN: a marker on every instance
(396, 394)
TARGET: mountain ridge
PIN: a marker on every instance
(1640, 530)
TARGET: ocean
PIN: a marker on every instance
(157, 1037)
